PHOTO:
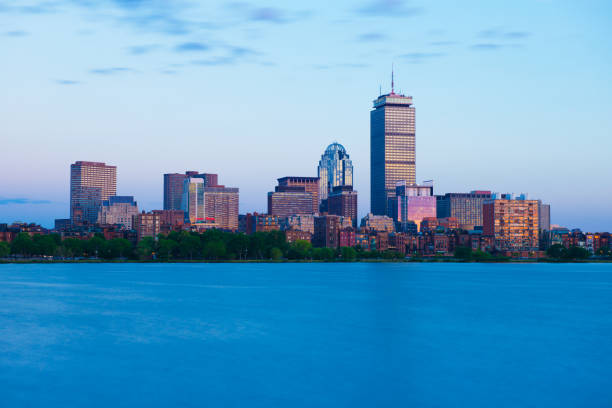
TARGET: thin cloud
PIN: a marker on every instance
(66, 82)
(371, 37)
(389, 8)
(191, 47)
(142, 49)
(8, 201)
(501, 34)
(272, 15)
(111, 71)
(487, 46)
(442, 43)
(16, 33)
(419, 57)
(214, 61)
(268, 14)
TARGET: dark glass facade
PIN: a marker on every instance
(392, 148)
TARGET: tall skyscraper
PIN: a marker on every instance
(173, 187)
(90, 184)
(392, 147)
(335, 169)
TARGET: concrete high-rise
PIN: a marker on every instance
(310, 184)
(214, 205)
(465, 207)
(174, 183)
(342, 201)
(513, 223)
(392, 147)
(118, 210)
(335, 169)
(286, 201)
(90, 184)
(412, 204)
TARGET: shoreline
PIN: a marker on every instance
(247, 261)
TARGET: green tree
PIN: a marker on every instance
(575, 252)
(189, 245)
(119, 248)
(73, 247)
(299, 249)
(145, 248)
(556, 251)
(167, 247)
(23, 245)
(96, 246)
(215, 250)
(276, 254)
(348, 254)
(479, 255)
(462, 252)
(238, 246)
(44, 245)
(323, 254)
(5, 249)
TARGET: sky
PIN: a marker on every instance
(510, 96)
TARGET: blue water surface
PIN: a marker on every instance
(306, 335)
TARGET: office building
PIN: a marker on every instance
(513, 223)
(286, 201)
(221, 206)
(90, 184)
(174, 183)
(335, 169)
(392, 147)
(216, 205)
(378, 223)
(118, 210)
(326, 231)
(412, 203)
(544, 213)
(310, 185)
(170, 220)
(298, 222)
(465, 207)
(146, 225)
(261, 223)
(343, 201)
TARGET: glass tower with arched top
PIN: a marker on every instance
(335, 169)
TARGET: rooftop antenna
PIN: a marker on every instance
(379, 89)
(392, 83)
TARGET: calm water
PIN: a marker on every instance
(306, 335)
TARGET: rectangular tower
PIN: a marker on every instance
(173, 187)
(392, 148)
(90, 184)
(514, 224)
(310, 184)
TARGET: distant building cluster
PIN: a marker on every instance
(322, 209)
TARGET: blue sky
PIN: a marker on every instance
(510, 96)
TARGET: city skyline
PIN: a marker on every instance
(500, 108)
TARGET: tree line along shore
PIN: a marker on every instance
(219, 246)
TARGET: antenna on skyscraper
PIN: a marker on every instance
(392, 83)
(379, 89)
